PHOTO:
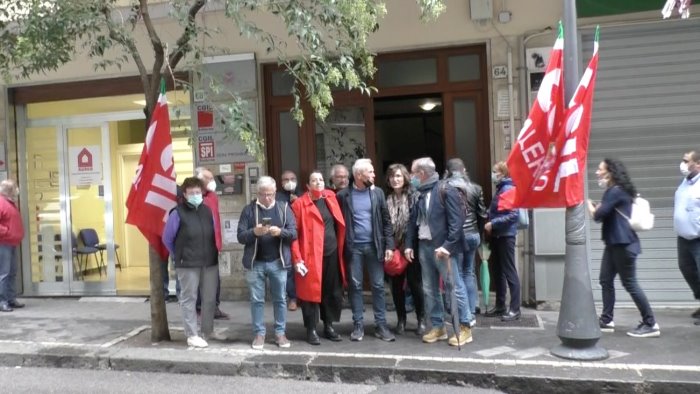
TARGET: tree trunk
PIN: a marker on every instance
(159, 316)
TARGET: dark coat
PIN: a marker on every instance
(381, 221)
(616, 228)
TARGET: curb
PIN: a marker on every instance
(510, 377)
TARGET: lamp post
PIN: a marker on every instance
(578, 327)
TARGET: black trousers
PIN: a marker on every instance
(331, 295)
(505, 274)
(415, 283)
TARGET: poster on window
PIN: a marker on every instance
(85, 165)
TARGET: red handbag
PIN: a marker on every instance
(397, 264)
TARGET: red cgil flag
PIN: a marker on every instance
(571, 163)
(154, 190)
(534, 153)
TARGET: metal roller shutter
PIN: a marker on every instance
(647, 114)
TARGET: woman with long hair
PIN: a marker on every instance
(317, 254)
(400, 201)
(621, 247)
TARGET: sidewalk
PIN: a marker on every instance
(113, 333)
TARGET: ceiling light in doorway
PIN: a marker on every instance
(428, 106)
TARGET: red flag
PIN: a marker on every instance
(154, 190)
(571, 164)
(540, 138)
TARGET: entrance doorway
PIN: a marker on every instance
(66, 186)
(408, 128)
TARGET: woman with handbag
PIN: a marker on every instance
(621, 247)
(317, 254)
(400, 200)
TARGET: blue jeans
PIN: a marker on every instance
(432, 270)
(689, 263)
(277, 274)
(8, 274)
(471, 243)
(166, 283)
(366, 253)
(617, 260)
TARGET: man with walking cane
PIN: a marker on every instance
(435, 227)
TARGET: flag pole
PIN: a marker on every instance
(578, 327)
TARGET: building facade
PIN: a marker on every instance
(458, 87)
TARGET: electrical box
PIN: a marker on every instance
(481, 9)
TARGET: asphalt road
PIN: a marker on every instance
(45, 380)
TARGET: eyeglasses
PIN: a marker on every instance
(266, 195)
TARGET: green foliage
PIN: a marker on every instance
(329, 39)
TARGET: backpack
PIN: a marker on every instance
(523, 219)
(641, 218)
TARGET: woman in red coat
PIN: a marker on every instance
(317, 254)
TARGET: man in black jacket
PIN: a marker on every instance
(369, 242)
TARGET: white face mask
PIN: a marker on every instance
(211, 186)
(684, 169)
(290, 186)
(602, 183)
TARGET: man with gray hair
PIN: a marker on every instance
(369, 241)
(267, 228)
(11, 234)
(435, 227)
(340, 177)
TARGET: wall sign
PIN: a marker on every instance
(85, 165)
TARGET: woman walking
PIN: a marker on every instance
(317, 254)
(400, 201)
(621, 247)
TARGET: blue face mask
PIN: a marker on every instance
(195, 200)
(415, 182)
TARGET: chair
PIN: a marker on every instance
(90, 238)
(82, 253)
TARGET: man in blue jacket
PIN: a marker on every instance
(435, 227)
(267, 229)
(369, 241)
(686, 222)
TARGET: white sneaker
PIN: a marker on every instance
(196, 341)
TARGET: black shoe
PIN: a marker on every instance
(495, 312)
(312, 337)
(383, 333)
(696, 314)
(5, 308)
(358, 332)
(697, 322)
(400, 327)
(421, 329)
(477, 311)
(511, 316)
(330, 333)
(15, 304)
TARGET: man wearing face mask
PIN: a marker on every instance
(11, 234)
(290, 187)
(289, 193)
(686, 222)
(211, 200)
(369, 241)
(190, 238)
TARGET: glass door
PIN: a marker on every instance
(66, 184)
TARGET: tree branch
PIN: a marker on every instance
(183, 42)
(157, 50)
(133, 50)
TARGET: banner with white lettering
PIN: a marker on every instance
(154, 190)
(535, 149)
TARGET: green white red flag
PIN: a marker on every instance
(154, 190)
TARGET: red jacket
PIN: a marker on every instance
(211, 200)
(11, 228)
(308, 246)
